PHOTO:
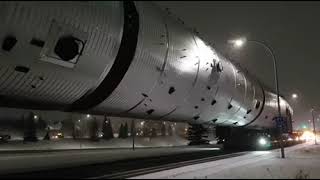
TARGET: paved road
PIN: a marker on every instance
(95, 163)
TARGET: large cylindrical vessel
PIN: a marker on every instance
(127, 59)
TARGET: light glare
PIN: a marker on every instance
(308, 136)
(238, 42)
(294, 96)
(262, 141)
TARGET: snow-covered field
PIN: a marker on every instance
(302, 161)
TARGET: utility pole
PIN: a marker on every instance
(314, 127)
(133, 132)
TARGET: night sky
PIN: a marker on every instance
(291, 28)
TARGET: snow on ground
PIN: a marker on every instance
(302, 161)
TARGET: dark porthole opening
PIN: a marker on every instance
(67, 48)
(8, 43)
(213, 102)
(249, 111)
(22, 69)
(143, 94)
(214, 120)
(257, 104)
(230, 106)
(37, 42)
(219, 67)
(202, 99)
(171, 90)
(150, 111)
(196, 107)
(196, 117)
(208, 87)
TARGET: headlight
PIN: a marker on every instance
(262, 141)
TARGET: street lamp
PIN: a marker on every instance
(239, 43)
(294, 96)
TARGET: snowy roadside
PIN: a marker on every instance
(302, 161)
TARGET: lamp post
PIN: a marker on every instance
(314, 127)
(239, 43)
(133, 132)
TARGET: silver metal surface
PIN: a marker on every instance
(51, 80)
(205, 86)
